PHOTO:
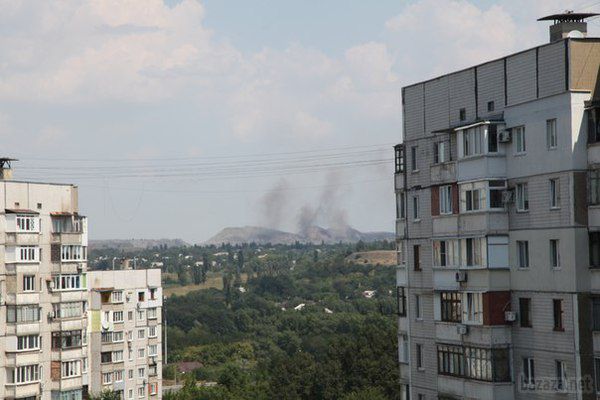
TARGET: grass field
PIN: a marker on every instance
(376, 257)
(213, 280)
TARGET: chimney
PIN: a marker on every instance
(6, 168)
(568, 25)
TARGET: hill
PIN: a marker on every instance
(314, 234)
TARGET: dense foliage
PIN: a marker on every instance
(255, 345)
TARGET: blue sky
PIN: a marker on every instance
(162, 113)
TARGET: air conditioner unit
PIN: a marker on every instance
(462, 329)
(510, 316)
(504, 136)
(508, 196)
(51, 286)
(461, 276)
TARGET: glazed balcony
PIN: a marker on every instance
(475, 389)
(471, 278)
(481, 222)
(477, 335)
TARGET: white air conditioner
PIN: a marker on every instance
(504, 136)
(510, 316)
(462, 329)
(507, 196)
(461, 276)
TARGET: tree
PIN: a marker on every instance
(106, 395)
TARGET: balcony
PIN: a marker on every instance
(477, 335)
(399, 181)
(22, 358)
(22, 239)
(473, 389)
(401, 228)
(486, 222)
(486, 279)
(23, 390)
(481, 167)
(22, 298)
(443, 173)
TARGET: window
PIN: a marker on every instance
(118, 337)
(472, 200)
(413, 158)
(117, 296)
(152, 293)
(65, 395)
(28, 283)
(130, 374)
(401, 298)
(474, 362)
(141, 296)
(117, 316)
(472, 252)
(105, 357)
(152, 350)
(551, 138)
(71, 309)
(492, 138)
(153, 388)
(525, 312)
(554, 193)
(596, 313)
(597, 373)
(472, 308)
(451, 306)
(140, 315)
(439, 152)
(152, 314)
(462, 114)
(27, 254)
(142, 391)
(472, 141)
(27, 223)
(130, 394)
(418, 307)
(403, 348)
(141, 353)
(400, 205)
(593, 124)
(69, 369)
(528, 378)
(497, 189)
(399, 158)
(446, 253)
(522, 197)
(73, 253)
(446, 199)
(554, 253)
(519, 133)
(419, 356)
(23, 374)
(594, 179)
(416, 208)
(117, 356)
(106, 337)
(119, 376)
(84, 365)
(66, 339)
(141, 372)
(28, 342)
(473, 196)
(490, 106)
(69, 282)
(594, 249)
(561, 375)
(24, 314)
(417, 257)
(141, 333)
(129, 315)
(557, 310)
(106, 378)
(152, 331)
(523, 253)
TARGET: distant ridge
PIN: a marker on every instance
(135, 244)
(314, 234)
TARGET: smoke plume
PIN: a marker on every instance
(273, 204)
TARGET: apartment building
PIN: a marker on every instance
(48, 334)
(498, 226)
(125, 332)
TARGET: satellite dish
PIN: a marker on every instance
(576, 34)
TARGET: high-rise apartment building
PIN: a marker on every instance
(50, 311)
(498, 226)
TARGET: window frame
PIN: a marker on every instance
(520, 140)
(551, 134)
